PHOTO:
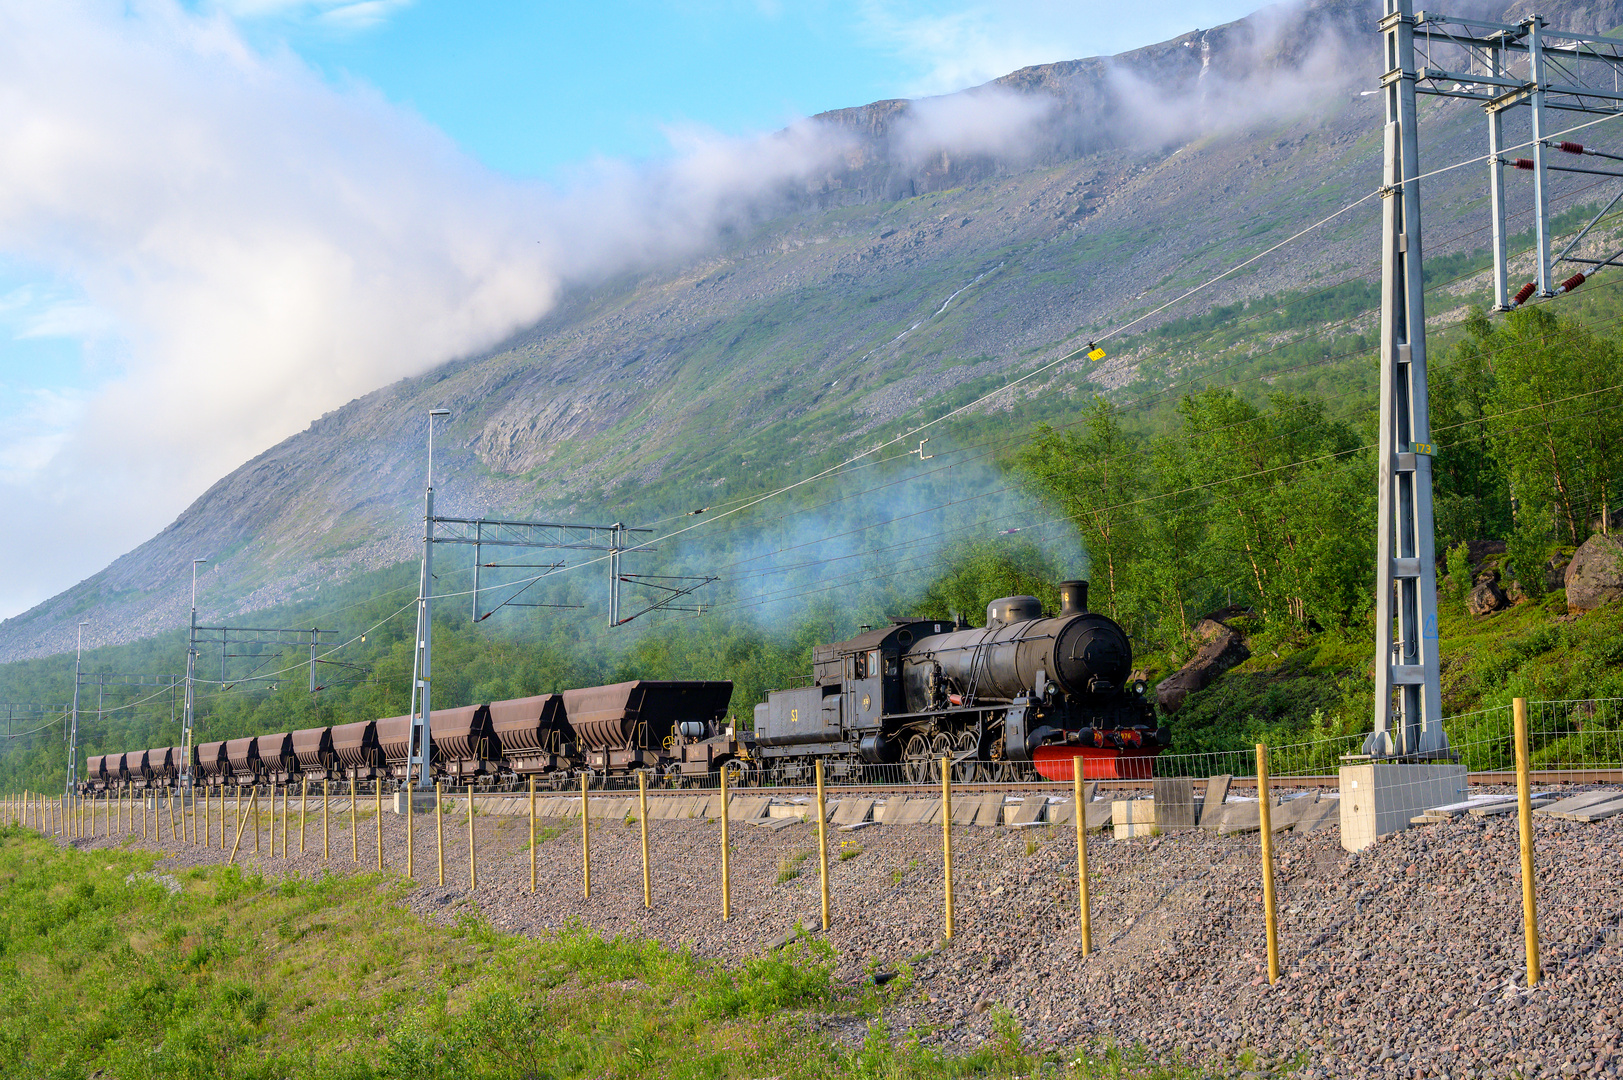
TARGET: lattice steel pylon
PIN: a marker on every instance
(1503, 66)
(1406, 578)
(1508, 66)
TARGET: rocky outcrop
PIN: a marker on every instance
(1222, 648)
(1486, 596)
(1595, 575)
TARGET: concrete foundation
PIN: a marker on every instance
(421, 802)
(1378, 798)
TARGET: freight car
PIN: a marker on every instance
(1025, 691)
(666, 729)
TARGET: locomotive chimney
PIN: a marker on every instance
(1073, 598)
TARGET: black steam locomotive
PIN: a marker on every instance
(1024, 692)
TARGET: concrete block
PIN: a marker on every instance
(1174, 803)
(1508, 806)
(1326, 812)
(853, 810)
(1599, 811)
(1240, 817)
(964, 808)
(1217, 793)
(1381, 798)
(1062, 813)
(1098, 814)
(1583, 801)
(1132, 817)
(420, 803)
(749, 807)
(1292, 811)
(1028, 812)
(989, 810)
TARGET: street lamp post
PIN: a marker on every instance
(422, 666)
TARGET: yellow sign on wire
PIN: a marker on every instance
(1096, 353)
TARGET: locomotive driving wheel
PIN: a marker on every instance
(941, 746)
(969, 770)
(916, 759)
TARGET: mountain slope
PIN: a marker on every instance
(1073, 197)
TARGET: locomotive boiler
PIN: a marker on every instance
(1026, 691)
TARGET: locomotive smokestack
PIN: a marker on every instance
(1073, 598)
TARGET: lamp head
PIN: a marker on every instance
(439, 412)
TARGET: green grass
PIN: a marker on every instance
(111, 967)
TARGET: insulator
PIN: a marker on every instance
(1522, 294)
(1572, 283)
(1570, 147)
(1523, 163)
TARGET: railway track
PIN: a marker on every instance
(1495, 778)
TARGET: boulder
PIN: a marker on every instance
(1222, 648)
(1595, 575)
(1555, 572)
(1486, 598)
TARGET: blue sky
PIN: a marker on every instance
(222, 218)
(530, 87)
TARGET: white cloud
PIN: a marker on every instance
(268, 247)
(959, 44)
(346, 14)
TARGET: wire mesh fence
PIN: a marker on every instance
(1175, 858)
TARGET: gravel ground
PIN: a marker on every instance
(1405, 960)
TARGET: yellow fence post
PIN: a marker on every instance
(1269, 902)
(304, 807)
(411, 832)
(1524, 817)
(144, 809)
(439, 825)
(473, 865)
(585, 838)
(171, 817)
(377, 801)
(326, 819)
(241, 813)
(642, 818)
(287, 792)
(532, 834)
(726, 860)
(354, 825)
(822, 842)
(946, 835)
(256, 815)
(1081, 815)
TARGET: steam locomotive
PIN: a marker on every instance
(1025, 692)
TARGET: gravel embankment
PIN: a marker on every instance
(1403, 960)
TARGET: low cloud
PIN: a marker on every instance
(268, 247)
(989, 120)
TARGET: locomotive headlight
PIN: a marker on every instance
(1140, 687)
